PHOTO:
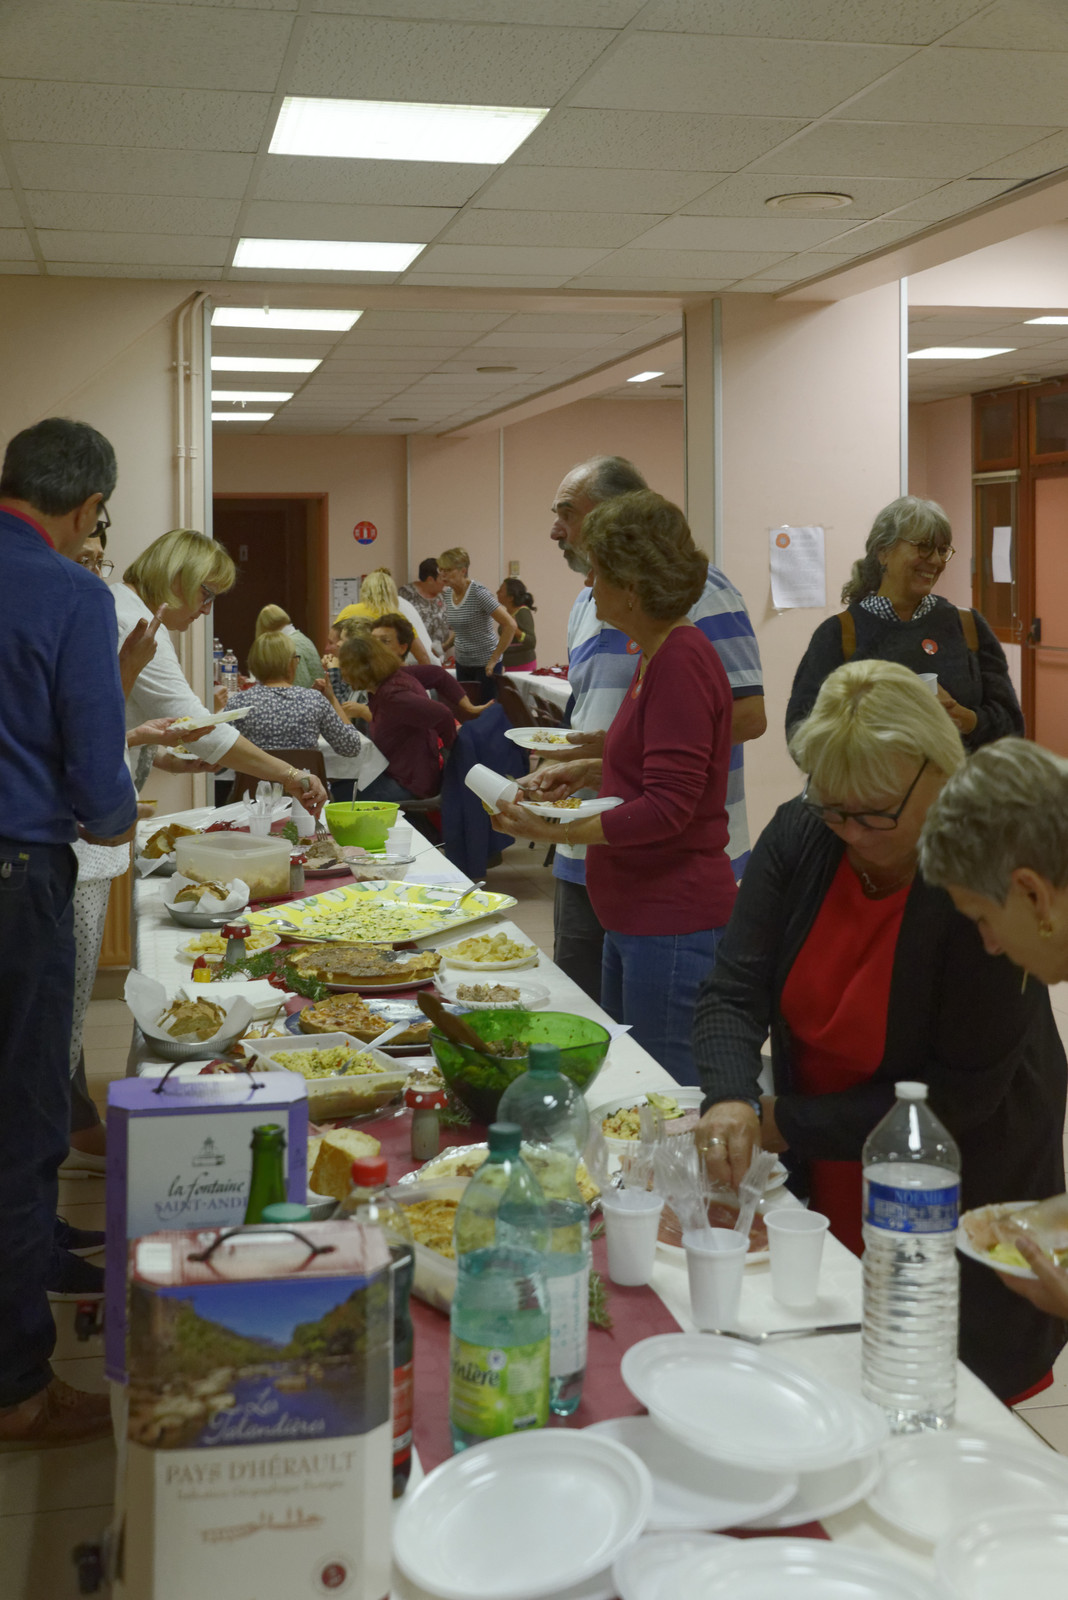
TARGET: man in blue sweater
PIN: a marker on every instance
(62, 774)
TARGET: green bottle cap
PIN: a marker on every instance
(544, 1058)
(283, 1211)
(504, 1140)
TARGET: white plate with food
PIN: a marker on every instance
(679, 1113)
(490, 952)
(801, 1569)
(722, 1213)
(365, 1021)
(987, 1235)
(464, 1160)
(345, 1078)
(932, 1481)
(740, 1404)
(212, 946)
(457, 1533)
(214, 721)
(573, 810)
(1015, 1551)
(543, 741)
(492, 996)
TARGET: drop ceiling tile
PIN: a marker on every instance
(486, 280)
(816, 262)
(1032, 161)
(343, 181)
(380, 59)
(551, 13)
(781, 233)
(96, 41)
(898, 149)
(446, 321)
(127, 269)
(156, 119)
(22, 269)
(15, 245)
(1010, 87)
(606, 322)
(424, 340)
(873, 236)
(276, 219)
(597, 190)
(640, 264)
(743, 194)
(1017, 25)
(144, 249)
(952, 199)
(667, 283)
(507, 259)
(102, 169)
(514, 339)
(123, 213)
(748, 77)
(873, 21)
(653, 139)
(10, 216)
(596, 229)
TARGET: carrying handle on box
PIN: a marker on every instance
(204, 1256)
(245, 1067)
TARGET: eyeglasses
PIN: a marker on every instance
(210, 595)
(103, 524)
(928, 548)
(877, 821)
(97, 564)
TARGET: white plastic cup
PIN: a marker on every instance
(490, 786)
(930, 679)
(715, 1262)
(259, 827)
(795, 1242)
(631, 1222)
(399, 839)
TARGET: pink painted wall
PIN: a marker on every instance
(940, 468)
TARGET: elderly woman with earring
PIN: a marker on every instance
(864, 974)
(893, 614)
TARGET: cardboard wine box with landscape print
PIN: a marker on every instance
(180, 1156)
(257, 1462)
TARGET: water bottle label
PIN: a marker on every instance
(912, 1210)
(497, 1390)
(569, 1312)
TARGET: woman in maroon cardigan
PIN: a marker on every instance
(659, 880)
(407, 726)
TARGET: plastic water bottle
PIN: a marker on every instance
(911, 1275)
(229, 672)
(555, 1125)
(499, 1343)
(216, 660)
(369, 1201)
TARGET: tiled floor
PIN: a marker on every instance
(51, 1501)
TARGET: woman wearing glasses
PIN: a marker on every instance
(864, 974)
(894, 615)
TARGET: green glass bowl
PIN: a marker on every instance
(479, 1083)
(363, 822)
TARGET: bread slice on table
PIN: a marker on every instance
(332, 1174)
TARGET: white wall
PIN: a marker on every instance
(940, 468)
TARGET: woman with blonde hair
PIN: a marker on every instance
(181, 574)
(281, 714)
(407, 726)
(472, 611)
(309, 668)
(865, 974)
(378, 595)
(893, 614)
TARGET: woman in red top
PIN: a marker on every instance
(407, 726)
(660, 880)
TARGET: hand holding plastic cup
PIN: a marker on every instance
(930, 679)
(795, 1243)
(491, 787)
(631, 1222)
(715, 1262)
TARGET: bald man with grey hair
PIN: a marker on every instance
(601, 667)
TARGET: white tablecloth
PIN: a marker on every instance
(629, 1068)
(556, 690)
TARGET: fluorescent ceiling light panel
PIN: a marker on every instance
(262, 395)
(269, 318)
(644, 377)
(325, 255)
(265, 363)
(393, 130)
(241, 416)
(953, 352)
(1047, 322)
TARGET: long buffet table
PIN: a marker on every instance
(629, 1068)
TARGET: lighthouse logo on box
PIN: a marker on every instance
(365, 533)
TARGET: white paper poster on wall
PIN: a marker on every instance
(1001, 555)
(343, 592)
(798, 568)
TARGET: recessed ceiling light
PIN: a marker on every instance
(1049, 322)
(393, 130)
(808, 202)
(496, 369)
(325, 255)
(643, 377)
(954, 352)
(262, 395)
(265, 363)
(268, 317)
(241, 416)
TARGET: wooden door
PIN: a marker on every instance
(1050, 651)
(274, 543)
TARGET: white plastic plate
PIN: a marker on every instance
(531, 995)
(1007, 1553)
(967, 1248)
(799, 1569)
(821, 1494)
(649, 1568)
(931, 1481)
(544, 741)
(585, 808)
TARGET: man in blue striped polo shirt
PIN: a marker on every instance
(600, 669)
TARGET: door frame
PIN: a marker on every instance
(1051, 469)
(317, 534)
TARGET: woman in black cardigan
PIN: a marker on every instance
(898, 981)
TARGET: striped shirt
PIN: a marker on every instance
(601, 662)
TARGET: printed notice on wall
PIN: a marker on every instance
(798, 570)
(1001, 555)
(343, 592)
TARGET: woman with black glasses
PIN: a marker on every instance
(865, 975)
(893, 614)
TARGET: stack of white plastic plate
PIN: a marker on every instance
(797, 1569)
(821, 1494)
(740, 1405)
(933, 1481)
(524, 1516)
(1007, 1553)
(647, 1571)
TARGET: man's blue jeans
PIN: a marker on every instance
(651, 981)
(36, 1006)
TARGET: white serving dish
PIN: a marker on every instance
(435, 1276)
(383, 1089)
(185, 953)
(798, 1569)
(464, 965)
(932, 1481)
(262, 863)
(564, 1502)
(1005, 1554)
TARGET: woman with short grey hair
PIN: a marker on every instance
(893, 614)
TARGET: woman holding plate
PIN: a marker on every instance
(659, 880)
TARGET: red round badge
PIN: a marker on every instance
(632, 647)
(929, 646)
(365, 533)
